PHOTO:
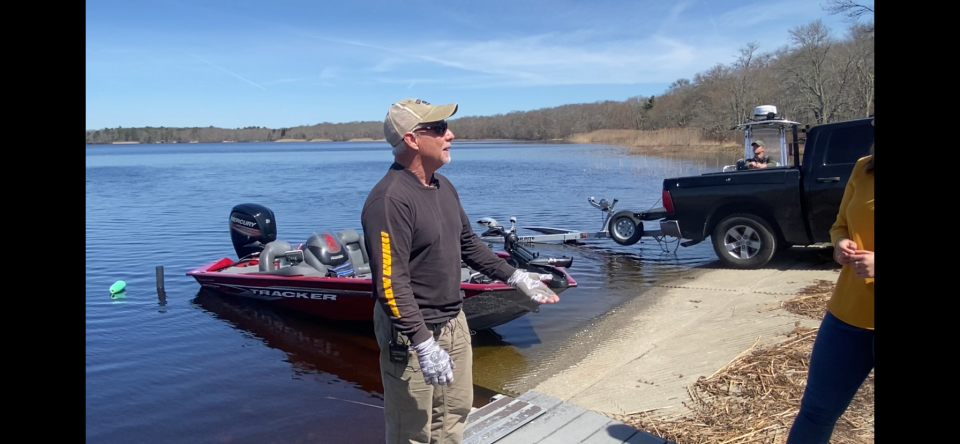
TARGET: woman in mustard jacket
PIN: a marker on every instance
(842, 355)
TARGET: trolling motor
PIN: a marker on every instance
(523, 257)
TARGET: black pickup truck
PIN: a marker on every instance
(751, 214)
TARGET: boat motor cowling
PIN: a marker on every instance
(252, 227)
(326, 248)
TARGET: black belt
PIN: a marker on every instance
(435, 327)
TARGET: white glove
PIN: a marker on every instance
(529, 283)
(435, 363)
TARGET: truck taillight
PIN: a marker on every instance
(667, 201)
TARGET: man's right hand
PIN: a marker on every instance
(435, 363)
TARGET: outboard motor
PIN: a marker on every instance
(325, 252)
(252, 226)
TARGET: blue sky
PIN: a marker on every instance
(283, 63)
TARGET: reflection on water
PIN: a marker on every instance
(337, 351)
(346, 351)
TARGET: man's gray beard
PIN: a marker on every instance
(447, 159)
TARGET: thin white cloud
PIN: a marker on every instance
(114, 51)
(713, 22)
(280, 81)
(387, 64)
(675, 12)
(342, 41)
(575, 57)
(688, 39)
(329, 73)
(751, 15)
(228, 72)
(552, 60)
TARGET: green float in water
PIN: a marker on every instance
(118, 289)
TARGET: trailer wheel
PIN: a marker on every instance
(625, 228)
(744, 241)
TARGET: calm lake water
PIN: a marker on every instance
(200, 368)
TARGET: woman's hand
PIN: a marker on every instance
(863, 263)
(844, 249)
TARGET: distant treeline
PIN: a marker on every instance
(817, 78)
(332, 131)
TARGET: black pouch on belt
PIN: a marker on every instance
(399, 348)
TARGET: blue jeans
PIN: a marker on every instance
(842, 359)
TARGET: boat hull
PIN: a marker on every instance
(351, 298)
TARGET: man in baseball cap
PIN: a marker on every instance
(407, 114)
(416, 234)
(759, 160)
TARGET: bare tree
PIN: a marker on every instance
(680, 114)
(862, 53)
(744, 86)
(711, 106)
(850, 9)
(807, 68)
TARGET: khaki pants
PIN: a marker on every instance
(414, 411)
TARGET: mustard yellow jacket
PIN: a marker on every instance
(852, 301)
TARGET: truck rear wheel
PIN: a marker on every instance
(744, 241)
(625, 228)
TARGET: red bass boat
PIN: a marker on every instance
(329, 274)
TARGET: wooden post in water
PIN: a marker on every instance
(160, 291)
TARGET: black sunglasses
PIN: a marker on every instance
(440, 127)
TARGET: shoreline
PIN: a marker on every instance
(682, 151)
(632, 149)
(643, 355)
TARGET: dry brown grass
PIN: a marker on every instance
(811, 301)
(755, 398)
(658, 141)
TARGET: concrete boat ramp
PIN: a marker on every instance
(535, 418)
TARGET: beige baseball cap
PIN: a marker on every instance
(406, 114)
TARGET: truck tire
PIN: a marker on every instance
(625, 228)
(744, 241)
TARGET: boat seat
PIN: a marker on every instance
(353, 242)
(271, 252)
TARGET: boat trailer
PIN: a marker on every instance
(625, 227)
